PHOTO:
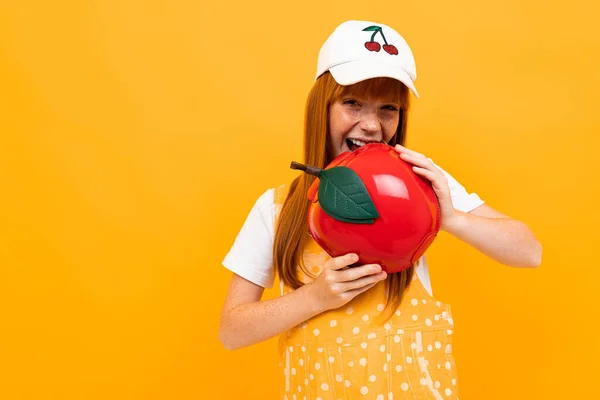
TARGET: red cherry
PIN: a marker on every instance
(373, 46)
(390, 48)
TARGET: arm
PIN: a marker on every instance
(246, 320)
(496, 235)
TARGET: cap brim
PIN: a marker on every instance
(352, 72)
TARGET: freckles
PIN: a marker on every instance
(338, 117)
(392, 125)
(389, 128)
(344, 122)
(346, 117)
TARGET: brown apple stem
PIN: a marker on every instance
(309, 169)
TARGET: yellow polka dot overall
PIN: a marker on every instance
(350, 353)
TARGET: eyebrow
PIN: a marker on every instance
(354, 95)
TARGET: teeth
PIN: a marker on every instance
(357, 142)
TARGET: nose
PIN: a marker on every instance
(370, 123)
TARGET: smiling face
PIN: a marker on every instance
(368, 112)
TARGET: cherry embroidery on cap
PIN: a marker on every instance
(372, 45)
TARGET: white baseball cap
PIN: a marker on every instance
(360, 50)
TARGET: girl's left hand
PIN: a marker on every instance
(425, 168)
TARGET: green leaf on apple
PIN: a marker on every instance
(344, 196)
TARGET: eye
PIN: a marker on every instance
(351, 102)
(391, 108)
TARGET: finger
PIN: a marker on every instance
(425, 173)
(353, 293)
(340, 262)
(438, 182)
(364, 281)
(417, 159)
(405, 150)
(352, 274)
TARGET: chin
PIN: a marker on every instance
(343, 150)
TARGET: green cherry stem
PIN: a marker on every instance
(381, 31)
(309, 169)
(373, 36)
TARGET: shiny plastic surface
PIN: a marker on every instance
(408, 207)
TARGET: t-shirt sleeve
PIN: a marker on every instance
(461, 199)
(251, 255)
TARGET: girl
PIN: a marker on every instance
(354, 333)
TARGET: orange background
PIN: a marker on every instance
(135, 136)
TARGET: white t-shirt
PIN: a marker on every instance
(251, 255)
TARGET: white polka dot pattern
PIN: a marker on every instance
(354, 353)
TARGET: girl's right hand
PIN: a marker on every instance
(337, 284)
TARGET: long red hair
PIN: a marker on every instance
(291, 233)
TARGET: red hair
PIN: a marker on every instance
(291, 232)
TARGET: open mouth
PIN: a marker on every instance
(354, 144)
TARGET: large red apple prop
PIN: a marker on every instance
(370, 202)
